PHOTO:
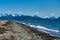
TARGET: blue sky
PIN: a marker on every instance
(31, 7)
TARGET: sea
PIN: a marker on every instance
(51, 27)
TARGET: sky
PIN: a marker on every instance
(41, 8)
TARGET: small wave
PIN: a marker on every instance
(44, 28)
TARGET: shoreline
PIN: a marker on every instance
(39, 33)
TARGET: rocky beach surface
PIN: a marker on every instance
(12, 30)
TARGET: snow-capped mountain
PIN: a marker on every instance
(14, 15)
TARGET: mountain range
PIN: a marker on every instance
(35, 16)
